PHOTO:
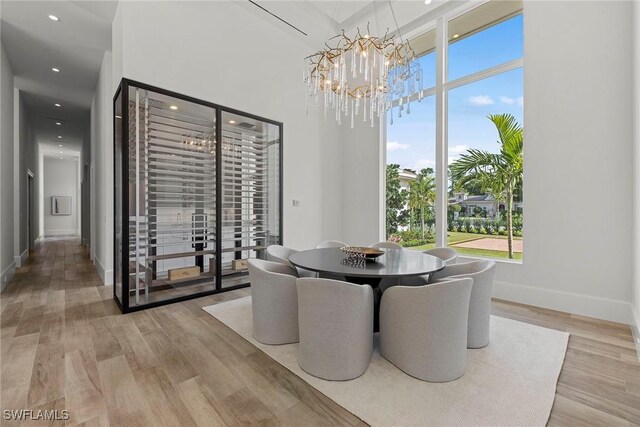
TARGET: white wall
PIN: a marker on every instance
(636, 169)
(60, 179)
(101, 149)
(224, 52)
(578, 133)
(7, 265)
(23, 160)
(363, 175)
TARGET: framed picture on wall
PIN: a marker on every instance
(60, 205)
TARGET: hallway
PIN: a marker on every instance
(65, 345)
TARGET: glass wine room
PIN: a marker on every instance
(198, 191)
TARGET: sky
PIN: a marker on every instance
(411, 138)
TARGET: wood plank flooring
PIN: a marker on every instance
(65, 345)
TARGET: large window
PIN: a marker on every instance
(470, 126)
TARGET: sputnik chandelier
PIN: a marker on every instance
(362, 76)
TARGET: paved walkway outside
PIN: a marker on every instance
(490, 243)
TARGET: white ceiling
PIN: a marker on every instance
(322, 19)
(76, 45)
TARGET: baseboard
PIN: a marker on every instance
(21, 259)
(635, 328)
(39, 239)
(105, 275)
(584, 305)
(7, 275)
(61, 232)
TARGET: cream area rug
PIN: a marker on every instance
(511, 382)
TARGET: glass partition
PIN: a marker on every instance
(117, 205)
(250, 192)
(183, 189)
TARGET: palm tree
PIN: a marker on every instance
(499, 174)
(422, 194)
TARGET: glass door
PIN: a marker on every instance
(250, 192)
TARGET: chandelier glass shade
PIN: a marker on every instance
(360, 77)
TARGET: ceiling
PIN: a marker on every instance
(320, 20)
(75, 45)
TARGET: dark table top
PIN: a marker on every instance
(394, 263)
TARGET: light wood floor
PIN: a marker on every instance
(64, 345)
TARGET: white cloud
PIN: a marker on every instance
(507, 100)
(520, 101)
(458, 149)
(396, 146)
(480, 100)
(422, 163)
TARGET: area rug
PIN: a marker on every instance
(511, 382)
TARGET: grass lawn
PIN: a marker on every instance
(458, 237)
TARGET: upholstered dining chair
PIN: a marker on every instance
(423, 329)
(330, 244)
(274, 301)
(281, 254)
(448, 255)
(386, 245)
(482, 273)
(336, 328)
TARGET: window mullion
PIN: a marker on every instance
(441, 132)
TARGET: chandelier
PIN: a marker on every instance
(362, 76)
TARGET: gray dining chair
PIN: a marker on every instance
(336, 328)
(448, 255)
(385, 283)
(330, 244)
(423, 329)
(281, 254)
(274, 301)
(385, 245)
(482, 273)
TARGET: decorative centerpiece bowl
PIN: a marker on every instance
(361, 252)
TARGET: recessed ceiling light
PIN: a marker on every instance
(60, 158)
(59, 136)
(59, 145)
(427, 1)
(173, 107)
(57, 105)
(54, 18)
(455, 36)
(233, 122)
(55, 70)
(58, 124)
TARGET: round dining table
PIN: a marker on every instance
(393, 264)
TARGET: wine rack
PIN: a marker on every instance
(197, 193)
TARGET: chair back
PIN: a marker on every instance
(274, 299)
(386, 245)
(330, 244)
(335, 320)
(448, 255)
(482, 272)
(423, 329)
(279, 253)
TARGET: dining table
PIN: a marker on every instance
(393, 264)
